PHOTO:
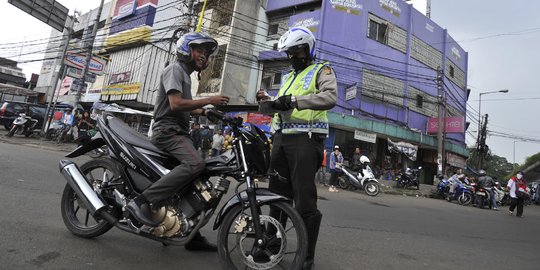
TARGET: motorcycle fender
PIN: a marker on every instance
(263, 196)
(94, 143)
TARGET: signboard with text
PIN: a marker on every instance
(365, 136)
(454, 124)
(77, 60)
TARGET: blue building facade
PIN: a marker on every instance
(386, 56)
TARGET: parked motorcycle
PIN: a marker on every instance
(23, 125)
(409, 178)
(463, 194)
(102, 187)
(355, 180)
(443, 188)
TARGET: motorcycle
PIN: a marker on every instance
(23, 125)
(355, 180)
(409, 178)
(463, 194)
(482, 197)
(443, 187)
(252, 222)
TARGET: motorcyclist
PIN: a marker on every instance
(488, 183)
(455, 180)
(170, 132)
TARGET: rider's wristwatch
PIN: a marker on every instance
(293, 102)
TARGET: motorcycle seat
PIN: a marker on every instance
(132, 136)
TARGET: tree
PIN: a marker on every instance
(495, 166)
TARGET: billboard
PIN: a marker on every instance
(454, 124)
(48, 11)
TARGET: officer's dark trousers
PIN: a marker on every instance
(191, 165)
(297, 158)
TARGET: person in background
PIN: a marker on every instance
(322, 170)
(514, 184)
(300, 126)
(356, 159)
(196, 135)
(336, 159)
(217, 143)
(170, 132)
(206, 141)
(67, 120)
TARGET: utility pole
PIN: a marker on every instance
(68, 31)
(440, 122)
(90, 44)
(482, 147)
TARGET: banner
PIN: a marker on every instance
(121, 89)
(454, 124)
(410, 150)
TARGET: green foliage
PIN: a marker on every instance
(495, 166)
(528, 162)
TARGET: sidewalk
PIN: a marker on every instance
(35, 141)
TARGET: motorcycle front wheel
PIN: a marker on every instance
(372, 188)
(465, 199)
(285, 236)
(76, 216)
(12, 131)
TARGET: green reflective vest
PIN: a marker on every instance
(305, 121)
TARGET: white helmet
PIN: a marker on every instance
(183, 44)
(297, 37)
(364, 159)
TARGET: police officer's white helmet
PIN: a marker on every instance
(295, 38)
(364, 159)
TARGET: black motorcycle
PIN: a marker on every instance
(409, 178)
(249, 237)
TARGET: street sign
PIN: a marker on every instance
(77, 73)
(78, 60)
(48, 11)
(78, 86)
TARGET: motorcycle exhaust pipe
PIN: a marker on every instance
(79, 184)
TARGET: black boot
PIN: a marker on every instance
(140, 208)
(313, 223)
(200, 243)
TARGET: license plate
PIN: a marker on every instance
(481, 193)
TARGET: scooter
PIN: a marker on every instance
(23, 125)
(409, 178)
(355, 179)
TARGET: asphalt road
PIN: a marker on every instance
(358, 232)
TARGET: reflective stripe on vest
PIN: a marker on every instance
(304, 121)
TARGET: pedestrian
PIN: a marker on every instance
(356, 159)
(217, 143)
(322, 171)
(196, 135)
(170, 132)
(206, 141)
(67, 123)
(336, 160)
(300, 126)
(515, 186)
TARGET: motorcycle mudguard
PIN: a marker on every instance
(94, 143)
(369, 180)
(263, 195)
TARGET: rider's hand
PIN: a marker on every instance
(218, 100)
(283, 103)
(262, 95)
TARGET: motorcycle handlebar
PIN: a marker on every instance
(215, 115)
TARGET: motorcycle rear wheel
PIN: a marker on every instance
(77, 218)
(287, 247)
(342, 182)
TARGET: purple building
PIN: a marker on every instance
(386, 56)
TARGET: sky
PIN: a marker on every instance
(500, 37)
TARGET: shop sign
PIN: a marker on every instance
(120, 77)
(77, 73)
(410, 150)
(365, 136)
(454, 124)
(78, 60)
(350, 92)
(348, 6)
(455, 160)
(122, 89)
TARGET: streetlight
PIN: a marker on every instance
(480, 115)
(514, 162)
(480, 106)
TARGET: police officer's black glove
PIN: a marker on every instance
(282, 103)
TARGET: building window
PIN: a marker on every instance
(419, 101)
(452, 71)
(277, 78)
(378, 29)
(273, 29)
